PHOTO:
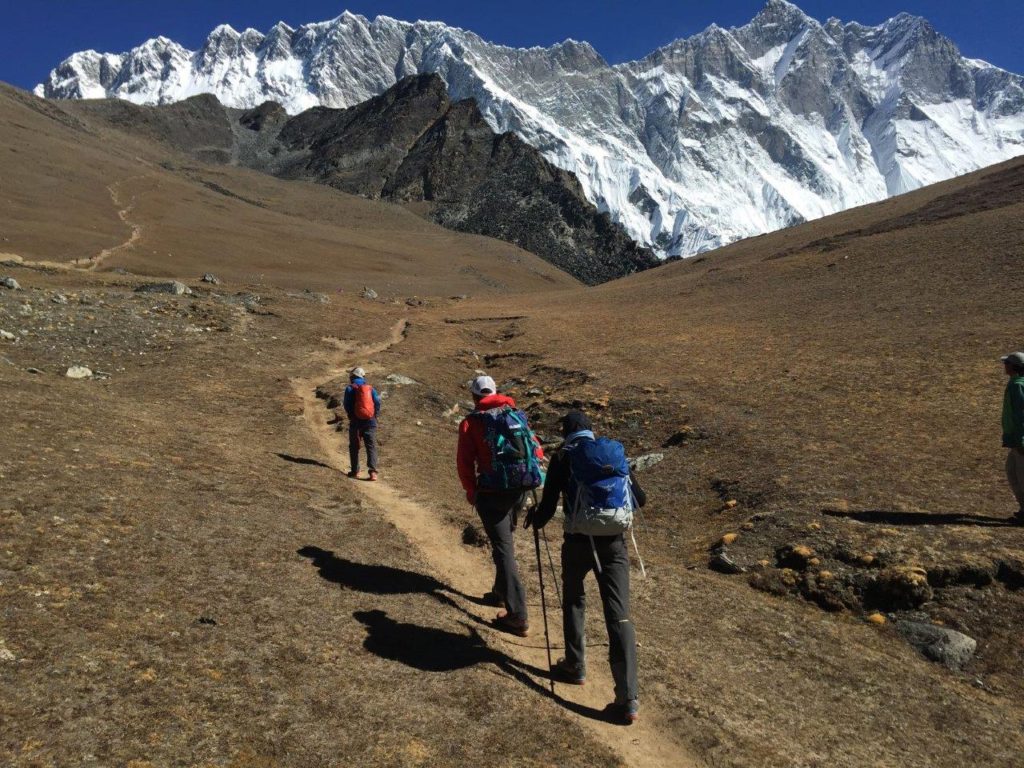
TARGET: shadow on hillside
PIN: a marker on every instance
(377, 579)
(429, 649)
(921, 518)
(302, 460)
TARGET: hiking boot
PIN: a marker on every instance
(631, 711)
(564, 671)
(626, 711)
(511, 624)
(373, 475)
(354, 473)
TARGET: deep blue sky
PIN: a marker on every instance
(35, 35)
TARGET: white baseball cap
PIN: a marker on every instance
(357, 373)
(483, 385)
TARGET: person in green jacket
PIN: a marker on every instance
(1013, 428)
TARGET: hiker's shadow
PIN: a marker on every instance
(437, 650)
(427, 648)
(376, 579)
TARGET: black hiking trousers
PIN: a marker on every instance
(613, 583)
(366, 433)
(498, 513)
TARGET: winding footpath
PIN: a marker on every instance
(644, 744)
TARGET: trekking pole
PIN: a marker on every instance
(551, 562)
(543, 605)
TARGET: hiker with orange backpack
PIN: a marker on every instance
(499, 460)
(362, 404)
(599, 494)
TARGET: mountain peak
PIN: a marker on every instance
(729, 133)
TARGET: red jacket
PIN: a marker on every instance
(474, 457)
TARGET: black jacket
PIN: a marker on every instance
(557, 485)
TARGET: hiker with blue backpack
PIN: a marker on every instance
(499, 461)
(362, 404)
(599, 496)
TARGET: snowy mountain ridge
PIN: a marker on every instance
(723, 135)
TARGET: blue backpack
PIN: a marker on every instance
(514, 463)
(599, 494)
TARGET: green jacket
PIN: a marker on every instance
(1013, 413)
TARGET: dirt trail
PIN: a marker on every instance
(644, 743)
(93, 262)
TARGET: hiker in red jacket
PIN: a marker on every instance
(499, 461)
(362, 404)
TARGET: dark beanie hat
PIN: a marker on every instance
(574, 421)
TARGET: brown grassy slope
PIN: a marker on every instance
(849, 363)
(67, 179)
(183, 583)
(855, 357)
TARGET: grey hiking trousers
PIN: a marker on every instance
(498, 512)
(1015, 474)
(362, 433)
(613, 583)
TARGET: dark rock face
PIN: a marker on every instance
(409, 144)
(412, 144)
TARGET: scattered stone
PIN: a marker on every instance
(207, 621)
(460, 297)
(722, 563)
(731, 504)
(876, 618)
(59, 298)
(78, 372)
(209, 278)
(729, 538)
(946, 646)
(795, 556)
(10, 283)
(7, 336)
(173, 287)
(899, 588)
(395, 378)
(415, 301)
(5, 653)
(646, 461)
(368, 293)
(25, 310)
(33, 370)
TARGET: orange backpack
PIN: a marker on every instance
(362, 402)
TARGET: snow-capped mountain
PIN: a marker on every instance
(727, 134)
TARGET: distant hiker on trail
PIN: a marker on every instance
(599, 494)
(499, 461)
(1013, 428)
(362, 404)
